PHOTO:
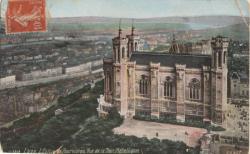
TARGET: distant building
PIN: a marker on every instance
(202, 47)
(182, 86)
(7, 82)
(205, 141)
(219, 144)
(93, 66)
(152, 43)
(97, 63)
(37, 74)
(175, 48)
(239, 83)
(77, 68)
(241, 54)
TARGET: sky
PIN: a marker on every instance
(144, 8)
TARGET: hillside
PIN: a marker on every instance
(236, 32)
(207, 26)
(206, 20)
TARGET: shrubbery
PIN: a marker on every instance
(191, 123)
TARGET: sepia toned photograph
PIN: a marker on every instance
(124, 76)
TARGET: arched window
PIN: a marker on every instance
(224, 59)
(110, 83)
(194, 89)
(143, 85)
(136, 46)
(132, 47)
(220, 56)
(114, 52)
(169, 87)
(123, 52)
(118, 55)
(128, 50)
(215, 59)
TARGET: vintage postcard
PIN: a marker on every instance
(124, 76)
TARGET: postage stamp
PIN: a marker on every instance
(26, 16)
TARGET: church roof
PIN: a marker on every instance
(166, 59)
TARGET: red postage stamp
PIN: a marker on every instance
(26, 16)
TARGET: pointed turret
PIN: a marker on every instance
(120, 46)
(133, 28)
(174, 46)
(120, 29)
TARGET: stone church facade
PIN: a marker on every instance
(171, 84)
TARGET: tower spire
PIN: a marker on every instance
(120, 30)
(133, 28)
(174, 46)
(174, 39)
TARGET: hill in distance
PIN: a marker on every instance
(218, 21)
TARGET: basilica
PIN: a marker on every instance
(173, 84)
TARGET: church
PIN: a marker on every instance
(174, 84)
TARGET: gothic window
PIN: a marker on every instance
(224, 59)
(220, 59)
(110, 83)
(128, 52)
(123, 52)
(215, 59)
(136, 46)
(144, 85)
(119, 56)
(169, 87)
(114, 52)
(194, 89)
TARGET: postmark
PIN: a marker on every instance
(26, 16)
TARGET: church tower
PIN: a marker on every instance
(120, 48)
(219, 72)
(120, 58)
(133, 40)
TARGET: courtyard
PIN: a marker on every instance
(188, 135)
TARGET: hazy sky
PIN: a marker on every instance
(145, 8)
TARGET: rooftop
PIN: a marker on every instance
(167, 59)
(243, 76)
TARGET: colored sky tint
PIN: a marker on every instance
(145, 8)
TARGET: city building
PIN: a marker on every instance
(218, 144)
(77, 68)
(7, 82)
(239, 83)
(174, 84)
(37, 74)
(202, 47)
